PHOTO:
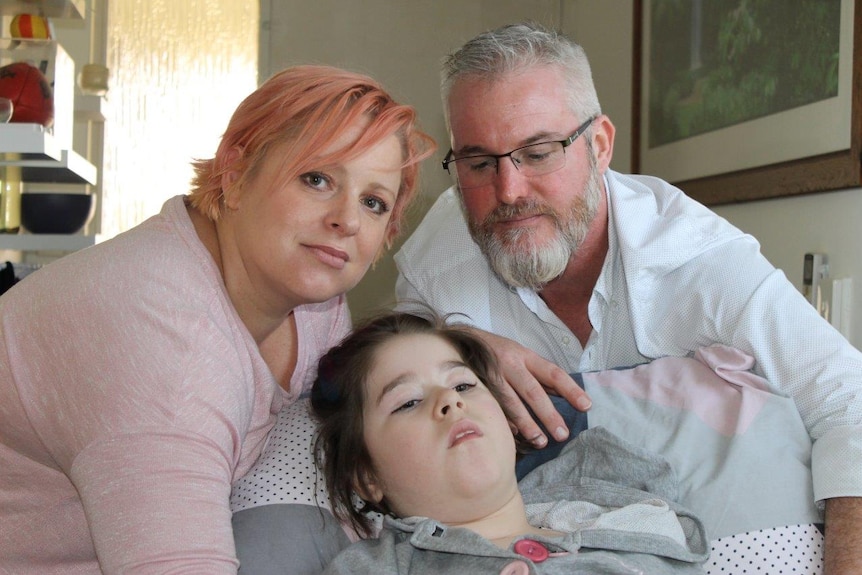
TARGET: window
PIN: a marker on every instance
(178, 69)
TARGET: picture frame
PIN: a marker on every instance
(833, 166)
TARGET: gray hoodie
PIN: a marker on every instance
(614, 500)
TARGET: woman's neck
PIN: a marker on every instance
(260, 317)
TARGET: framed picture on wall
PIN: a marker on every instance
(739, 100)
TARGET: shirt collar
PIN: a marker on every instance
(604, 285)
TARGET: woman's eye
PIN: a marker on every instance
(376, 205)
(407, 405)
(316, 180)
(462, 387)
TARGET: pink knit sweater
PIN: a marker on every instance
(131, 398)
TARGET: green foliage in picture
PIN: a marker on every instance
(716, 63)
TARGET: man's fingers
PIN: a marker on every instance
(560, 383)
(536, 397)
(520, 417)
(529, 377)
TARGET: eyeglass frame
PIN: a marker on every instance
(497, 157)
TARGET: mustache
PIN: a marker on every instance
(530, 208)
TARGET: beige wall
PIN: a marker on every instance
(401, 43)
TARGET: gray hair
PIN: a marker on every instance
(496, 53)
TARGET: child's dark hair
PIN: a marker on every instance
(338, 398)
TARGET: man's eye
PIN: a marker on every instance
(537, 157)
(480, 164)
(538, 154)
(462, 387)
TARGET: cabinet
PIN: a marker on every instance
(45, 159)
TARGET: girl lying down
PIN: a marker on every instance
(412, 423)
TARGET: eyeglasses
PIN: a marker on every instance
(533, 160)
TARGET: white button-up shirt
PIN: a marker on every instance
(677, 277)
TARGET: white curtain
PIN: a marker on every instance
(178, 70)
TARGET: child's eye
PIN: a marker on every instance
(462, 387)
(407, 406)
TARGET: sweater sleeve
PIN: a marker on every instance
(144, 399)
(155, 476)
(156, 501)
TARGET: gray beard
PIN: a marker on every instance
(518, 258)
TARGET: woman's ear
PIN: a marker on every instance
(230, 178)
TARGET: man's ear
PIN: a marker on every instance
(603, 142)
(230, 178)
(368, 487)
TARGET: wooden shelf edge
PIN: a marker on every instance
(46, 242)
(62, 9)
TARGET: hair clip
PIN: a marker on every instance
(324, 389)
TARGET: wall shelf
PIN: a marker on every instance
(46, 242)
(45, 156)
(71, 9)
(32, 148)
(70, 168)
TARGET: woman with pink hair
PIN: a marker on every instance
(139, 378)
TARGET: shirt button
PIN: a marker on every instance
(532, 550)
(566, 339)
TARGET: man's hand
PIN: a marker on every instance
(529, 378)
(843, 554)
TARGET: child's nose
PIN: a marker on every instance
(447, 400)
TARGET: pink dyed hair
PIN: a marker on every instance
(311, 107)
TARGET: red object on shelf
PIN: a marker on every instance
(30, 26)
(30, 92)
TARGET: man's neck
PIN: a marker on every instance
(569, 295)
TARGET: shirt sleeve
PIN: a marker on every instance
(156, 500)
(743, 301)
(154, 476)
(144, 398)
(810, 361)
(151, 423)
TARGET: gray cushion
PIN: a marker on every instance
(286, 539)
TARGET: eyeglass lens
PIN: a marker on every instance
(533, 160)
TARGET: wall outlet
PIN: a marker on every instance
(814, 270)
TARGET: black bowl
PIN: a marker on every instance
(56, 213)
